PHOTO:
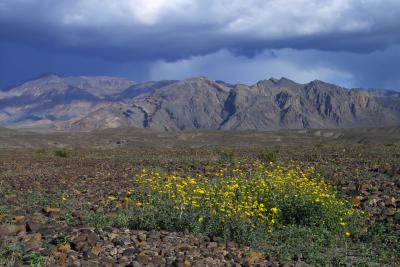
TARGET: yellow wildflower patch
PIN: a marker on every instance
(262, 194)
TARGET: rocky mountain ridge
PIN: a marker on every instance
(89, 103)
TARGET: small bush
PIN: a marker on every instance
(40, 152)
(226, 157)
(33, 258)
(267, 156)
(61, 153)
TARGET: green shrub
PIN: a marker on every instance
(61, 153)
(40, 151)
(267, 156)
(226, 157)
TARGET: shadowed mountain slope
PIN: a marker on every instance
(89, 103)
(53, 98)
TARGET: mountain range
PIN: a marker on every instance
(89, 103)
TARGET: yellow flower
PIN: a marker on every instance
(242, 194)
(347, 234)
(275, 210)
(111, 198)
(200, 191)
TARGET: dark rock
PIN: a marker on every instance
(92, 239)
(118, 242)
(87, 255)
(129, 252)
(79, 245)
(32, 226)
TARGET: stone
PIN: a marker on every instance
(301, 264)
(118, 242)
(106, 262)
(158, 261)
(49, 211)
(142, 237)
(79, 245)
(92, 239)
(390, 201)
(136, 264)
(142, 259)
(63, 248)
(356, 201)
(19, 218)
(112, 251)
(60, 258)
(33, 241)
(87, 255)
(254, 257)
(123, 260)
(32, 226)
(129, 252)
(390, 211)
(96, 250)
(11, 229)
(81, 237)
(212, 245)
(182, 263)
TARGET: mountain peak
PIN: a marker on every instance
(274, 80)
(192, 103)
(283, 81)
(48, 75)
(198, 78)
(325, 84)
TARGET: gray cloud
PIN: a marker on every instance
(354, 43)
(175, 29)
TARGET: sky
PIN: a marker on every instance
(353, 43)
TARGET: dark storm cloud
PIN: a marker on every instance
(19, 63)
(136, 38)
(131, 30)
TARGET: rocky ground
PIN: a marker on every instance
(56, 210)
(66, 246)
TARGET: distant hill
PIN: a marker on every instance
(386, 98)
(90, 103)
(52, 98)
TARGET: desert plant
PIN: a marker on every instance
(226, 157)
(61, 153)
(267, 156)
(40, 151)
